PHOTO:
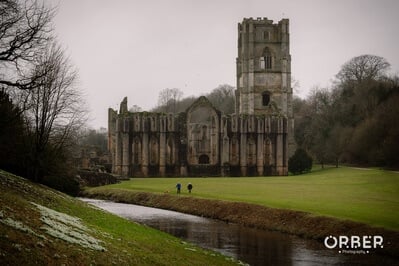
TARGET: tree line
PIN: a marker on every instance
(170, 100)
(355, 121)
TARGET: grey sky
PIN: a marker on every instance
(137, 48)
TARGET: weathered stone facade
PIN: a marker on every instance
(255, 141)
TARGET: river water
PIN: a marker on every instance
(252, 246)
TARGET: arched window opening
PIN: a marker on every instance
(267, 156)
(153, 151)
(265, 98)
(234, 150)
(170, 152)
(203, 159)
(251, 151)
(266, 61)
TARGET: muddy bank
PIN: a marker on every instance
(293, 222)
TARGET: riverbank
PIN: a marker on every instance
(288, 221)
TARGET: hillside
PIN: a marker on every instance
(40, 226)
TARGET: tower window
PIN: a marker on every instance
(265, 98)
(266, 60)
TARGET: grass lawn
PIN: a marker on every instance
(366, 195)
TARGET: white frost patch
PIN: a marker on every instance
(68, 228)
(18, 225)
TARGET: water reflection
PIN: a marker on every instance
(253, 246)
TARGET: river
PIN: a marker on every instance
(252, 246)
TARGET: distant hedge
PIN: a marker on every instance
(93, 179)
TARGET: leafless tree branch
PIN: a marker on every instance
(25, 29)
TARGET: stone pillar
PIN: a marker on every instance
(243, 146)
(112, 116)
(286, 146)
(145, 151)
(224, 147)
(279, 148)
(118, 149)
(162, 145)
(125, 146)
(183, 156)
(125, 154)
(225, 165)
(259, 147)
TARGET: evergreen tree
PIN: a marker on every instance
(300, 162)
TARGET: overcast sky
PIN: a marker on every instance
(137, 48)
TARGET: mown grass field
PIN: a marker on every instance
(370, 196)
(40, 226)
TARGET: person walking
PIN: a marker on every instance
(178, 187)
(189, 187)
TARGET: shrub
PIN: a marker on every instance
(300, 162)
(64, 183)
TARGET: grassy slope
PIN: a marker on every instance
(366, 195)
(125, 243)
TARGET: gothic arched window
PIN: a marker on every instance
(266, 60)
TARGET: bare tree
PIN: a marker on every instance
(313, 125)
(135, 108)
(168, 100)
(55, 110)
(25, 28)
(223, 98)
(295, 84)
(363, 67)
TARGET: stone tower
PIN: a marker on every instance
(264, 71)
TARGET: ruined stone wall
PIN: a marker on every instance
(199, 142)
(146, 144)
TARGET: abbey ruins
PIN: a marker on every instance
(255, 141)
